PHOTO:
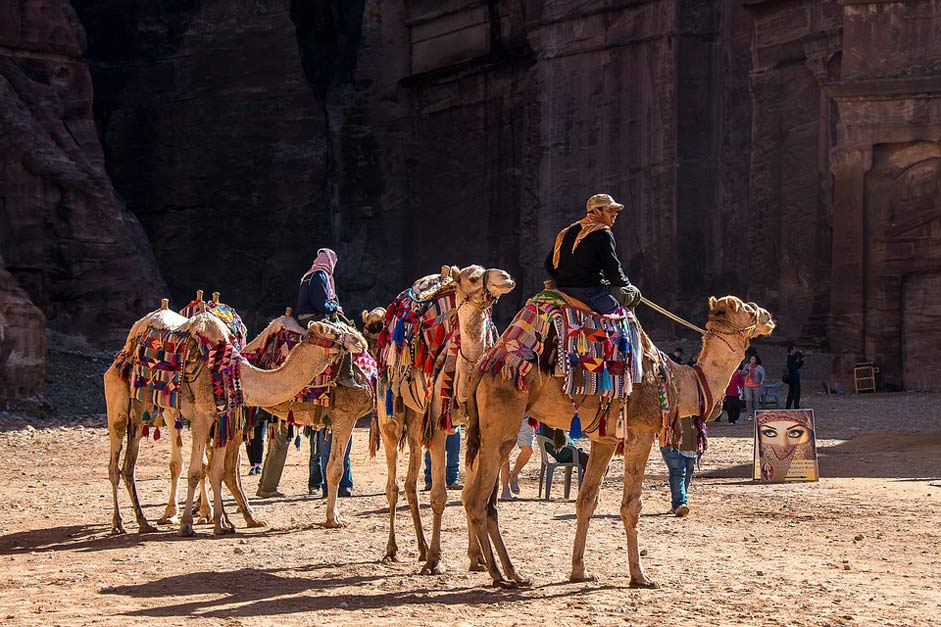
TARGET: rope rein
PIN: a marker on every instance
(672, 316)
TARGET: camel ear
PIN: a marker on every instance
(364, 314)
(455, 273)
(712, 302)
(445, 272)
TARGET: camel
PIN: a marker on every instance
(496, 406)
(346, 407)
(323, 344)
(372, 325)
(476, 291)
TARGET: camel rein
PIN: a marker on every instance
(672, 316)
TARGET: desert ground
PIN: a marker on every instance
(860, 547)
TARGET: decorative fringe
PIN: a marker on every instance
(398, 334)
(389, 410)
(290, 416)
(178, 425)
(156, 434)
(297, 442)
(620, 449)
(575, 430)
(145, 429)
(606, 384)
(533, 423)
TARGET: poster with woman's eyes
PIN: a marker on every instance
(785, 446)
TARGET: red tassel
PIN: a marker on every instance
(145, 430)
(620, 448)
(290, 416)
(533, 423)
(156, 434)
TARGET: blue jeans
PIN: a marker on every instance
(681, 474)
(320, 456)
(598, 298)
(452, 457)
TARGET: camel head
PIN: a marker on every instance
(480, 286)
(336, 336)
(730, 314)
(373, 320)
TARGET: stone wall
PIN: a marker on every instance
(22, 342)
(887, 217)
(65, 235)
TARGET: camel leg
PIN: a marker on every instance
(341, 435)
(118, 402)
(194, 472)
(130, 482)
(479, 489)
(415, 459)
(170, 515)
(234, 482)
(493, 523)
(636, 451)
(588, 496)
(205, 505)
(439, 498)
(221, 523)
(391, 432)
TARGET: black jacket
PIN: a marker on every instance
(312, 296)
(594, 259)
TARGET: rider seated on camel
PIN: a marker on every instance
(584, 256)
(317, 300)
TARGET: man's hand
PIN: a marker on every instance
(628, 296)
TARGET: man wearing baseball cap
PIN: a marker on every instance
(584, 256)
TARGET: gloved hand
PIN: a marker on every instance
(628, 296)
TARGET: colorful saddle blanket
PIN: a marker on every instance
(161, 360)
(223, 312)
(276, 349)
(598, 355)
(421, 336)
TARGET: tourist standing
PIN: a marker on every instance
(732, 404)
(795, 361)
(754, 381)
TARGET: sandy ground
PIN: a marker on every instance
(861, 547)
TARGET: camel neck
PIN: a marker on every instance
(473, 325)
(718, 360)
(263, 388)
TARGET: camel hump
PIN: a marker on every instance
(208, 326)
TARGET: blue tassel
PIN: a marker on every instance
(178, 425)
(297, 442)
(398, 334)
(389, 410)
(622, 344)
(575, 431)
(605, 378)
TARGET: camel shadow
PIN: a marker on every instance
(266, 592)
(91, 538)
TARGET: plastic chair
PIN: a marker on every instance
(549, 464)
(771, 394)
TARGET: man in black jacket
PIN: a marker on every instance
(584, 256)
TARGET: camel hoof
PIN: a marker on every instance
(336, 523)
(204, 520)
(186, 531)
(255, 522)
(582, 576)
(389, 558)
(117, 530)
(223, 531)
(522, 582)
(432, 568)
(169, 520)
(146, 527)
(646, 584)
(503, 583)
(477, 567)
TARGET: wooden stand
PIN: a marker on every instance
(864, 375)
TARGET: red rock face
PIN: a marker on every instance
(66, 237)
(22, 342)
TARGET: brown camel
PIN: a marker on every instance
(346, 407)
(497, 406)
(323, 344)
(476, 291)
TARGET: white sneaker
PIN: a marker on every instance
(681, 511)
